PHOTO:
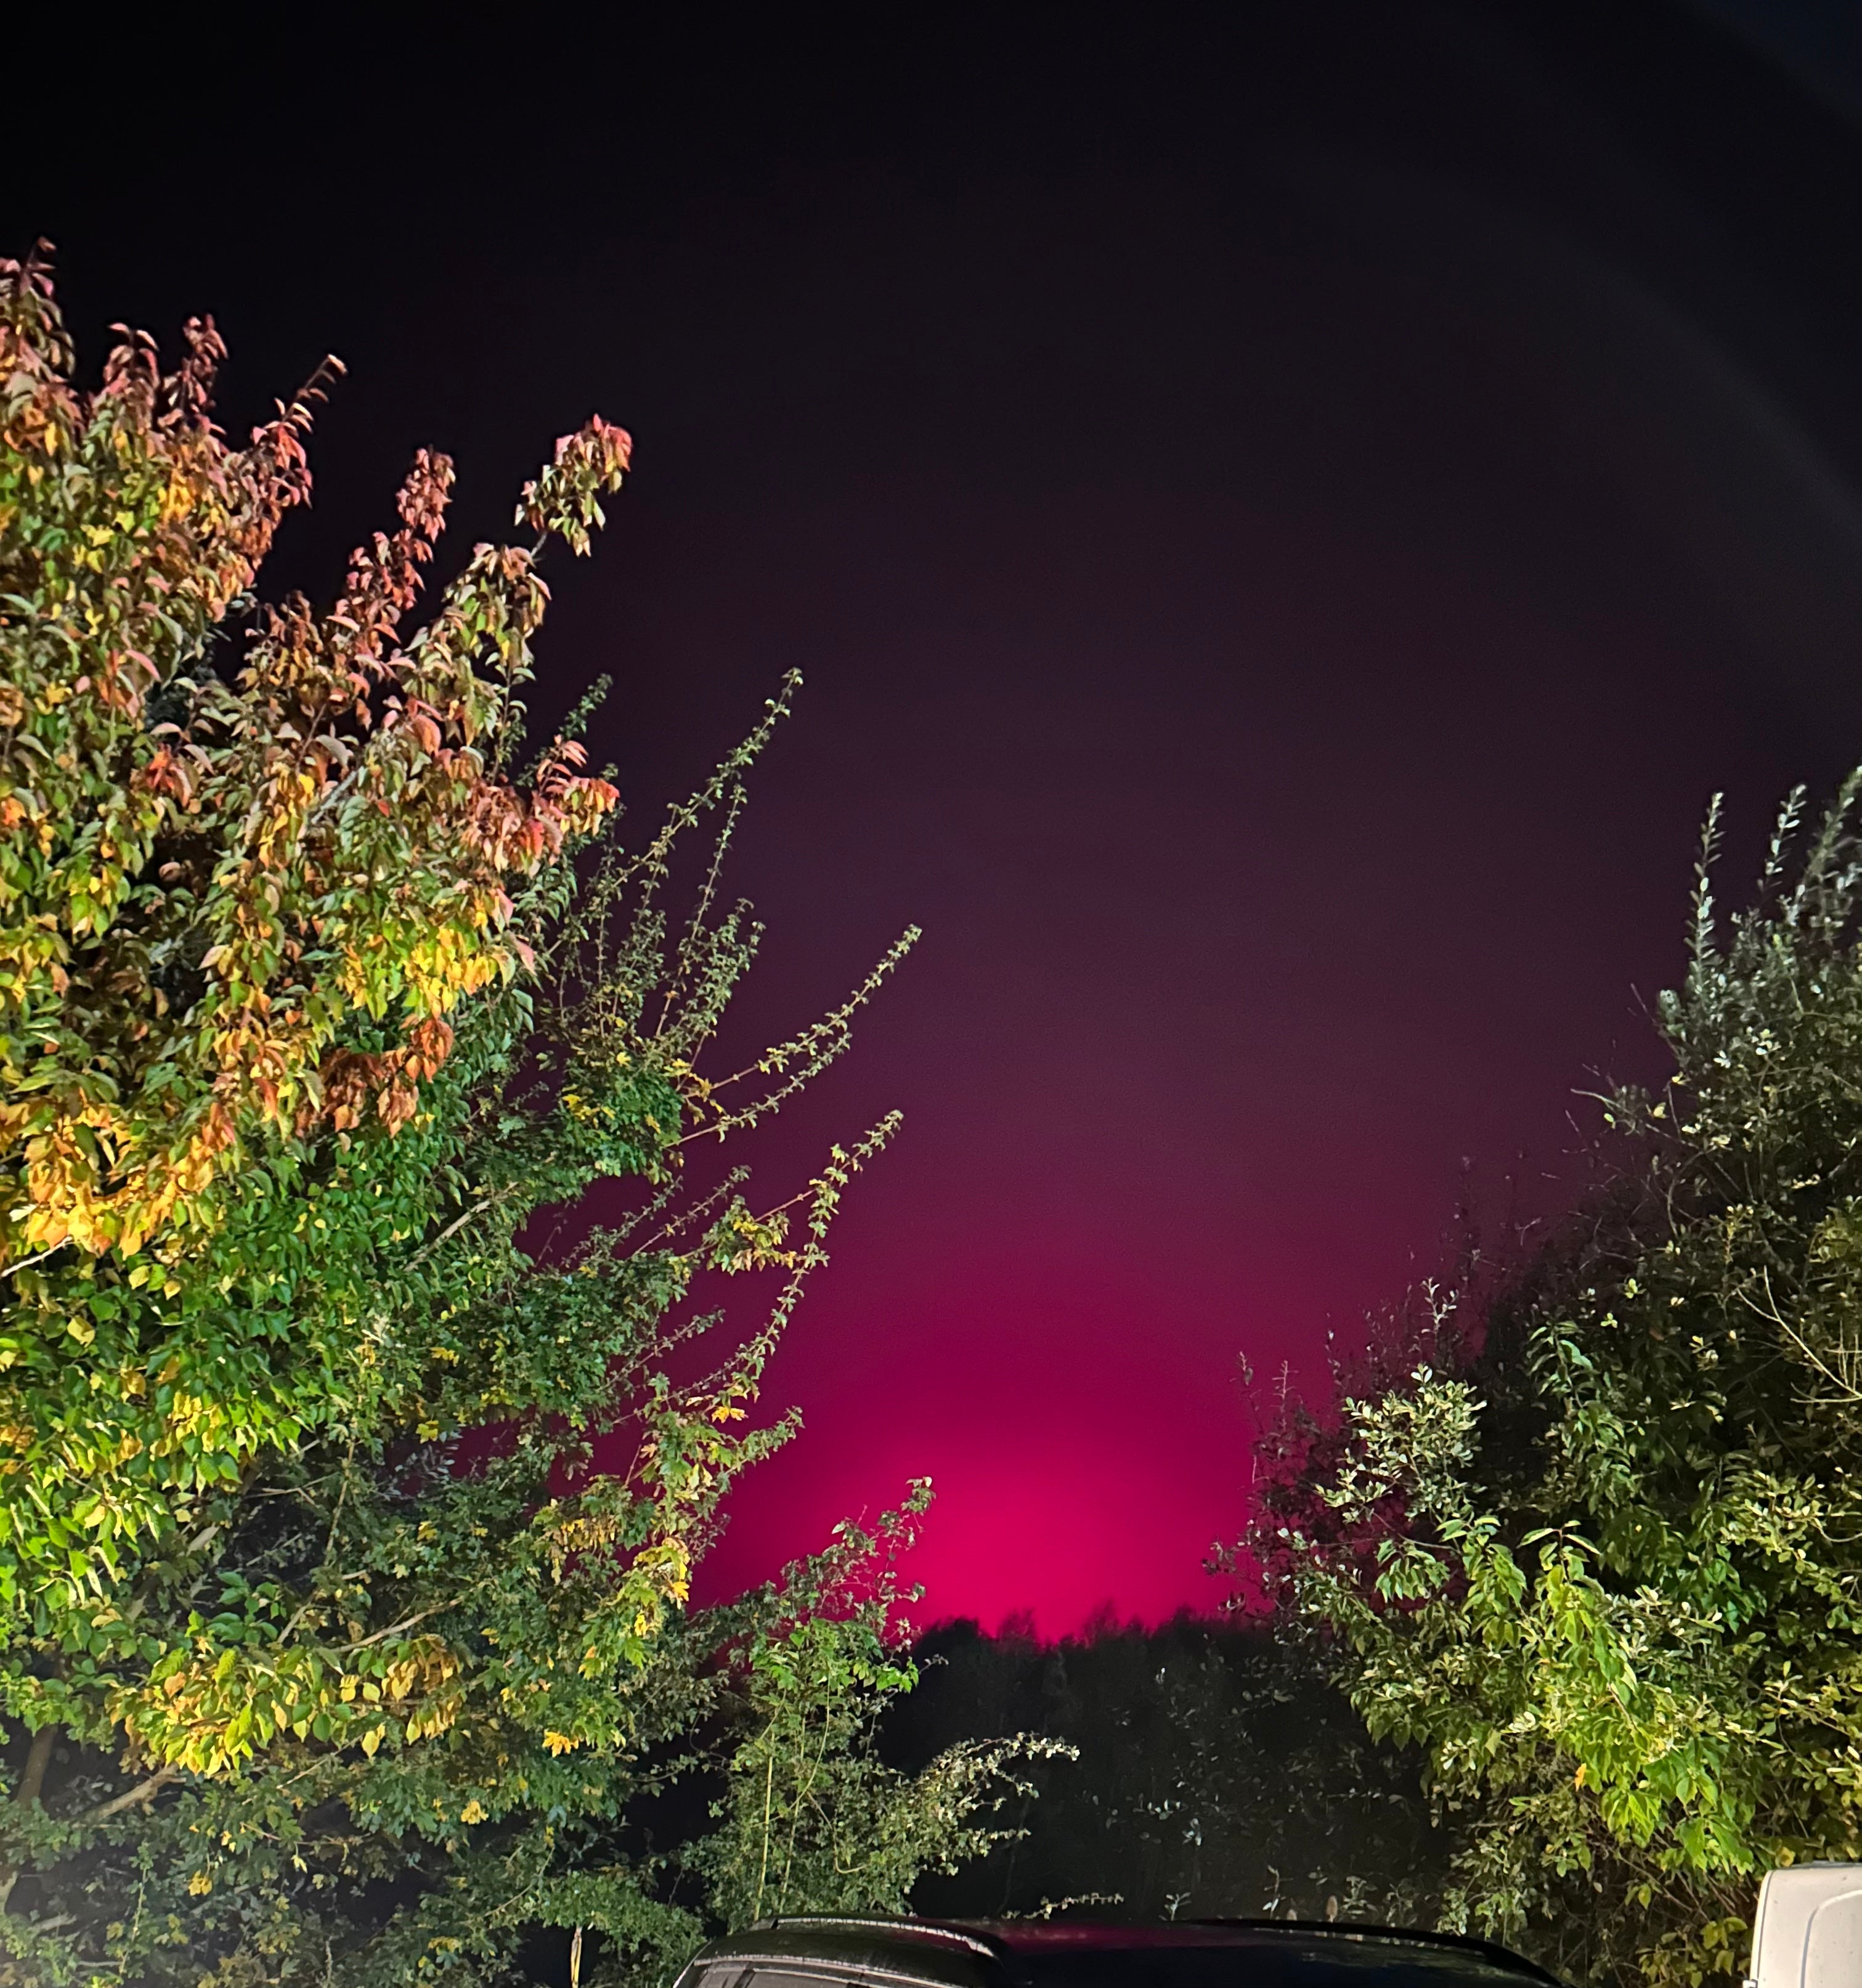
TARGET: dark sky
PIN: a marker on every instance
(1286, 514)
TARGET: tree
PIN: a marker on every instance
(345, 1536)
(236, 919)
(1599, 1554)
(811, 1818)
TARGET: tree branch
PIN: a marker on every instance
(144, 1791)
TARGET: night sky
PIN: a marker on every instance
(1284, 524)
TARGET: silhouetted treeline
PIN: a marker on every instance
(1220, 1775)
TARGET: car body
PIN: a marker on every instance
(820, 1952)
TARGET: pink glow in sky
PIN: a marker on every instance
(1251, 912)
(1281, 556)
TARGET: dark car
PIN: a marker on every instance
(1012, 1953)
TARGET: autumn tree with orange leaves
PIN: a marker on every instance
(344, 1542)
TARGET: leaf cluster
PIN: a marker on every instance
(1605, 1564)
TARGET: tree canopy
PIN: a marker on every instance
(346, 1531)
(1599, 1551)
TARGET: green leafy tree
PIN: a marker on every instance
(813, 1819)
(345, 1539)
(1599, 1554)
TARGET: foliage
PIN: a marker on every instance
(1219, 1773)
(813, 1819)
(234, 919)
(344, 1540)
(1601, 1555)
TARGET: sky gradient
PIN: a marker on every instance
(1283, 531)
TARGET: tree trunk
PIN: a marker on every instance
(31, 1783)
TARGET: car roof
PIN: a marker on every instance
(919, 1949)
(949, 1950)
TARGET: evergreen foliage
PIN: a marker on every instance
(345, 1542)
(1599, 1554)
